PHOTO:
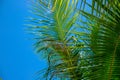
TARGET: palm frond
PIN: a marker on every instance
(56, 40)
(80, 39)
(104, 38)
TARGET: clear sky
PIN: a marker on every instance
(17, 58)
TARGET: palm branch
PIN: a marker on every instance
(104, 38)
(78, 43)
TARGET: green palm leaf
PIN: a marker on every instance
(55, 38)
(105, 39)
(79, 39)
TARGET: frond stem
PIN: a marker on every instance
(113, 59)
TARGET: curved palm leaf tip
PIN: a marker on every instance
(78, 49)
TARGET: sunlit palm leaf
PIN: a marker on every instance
(55, 36)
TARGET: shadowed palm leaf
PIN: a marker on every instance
(104, 39)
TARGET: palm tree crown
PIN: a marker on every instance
(79, 39)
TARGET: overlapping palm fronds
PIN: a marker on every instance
(104, 39)
(79, 39)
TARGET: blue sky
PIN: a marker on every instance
(17, 58)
